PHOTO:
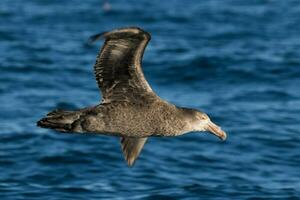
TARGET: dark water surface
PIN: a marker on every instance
(237, 60)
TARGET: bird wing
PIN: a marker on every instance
(131, 148)
(118, 67)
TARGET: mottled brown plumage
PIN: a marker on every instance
(129, 108)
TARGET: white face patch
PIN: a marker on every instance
(200, 125)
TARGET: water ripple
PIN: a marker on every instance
(236, 60)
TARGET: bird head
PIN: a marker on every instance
(200, 121)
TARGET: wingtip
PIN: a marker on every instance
(106, 34)
(130, 162)
(131, 148)
(96, 37)
(145, 33)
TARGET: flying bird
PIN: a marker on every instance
(129, 109)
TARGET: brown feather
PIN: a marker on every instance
(131, 148)
(118, 67)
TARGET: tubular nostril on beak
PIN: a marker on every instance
(216, 130)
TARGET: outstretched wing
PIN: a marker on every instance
(131, 148)
(118, 66)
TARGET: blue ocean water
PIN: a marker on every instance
(239, 61)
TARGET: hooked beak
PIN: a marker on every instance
(216, 130)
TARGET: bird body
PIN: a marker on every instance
(129, 108)
(124, 119)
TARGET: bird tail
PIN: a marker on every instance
(59, 120)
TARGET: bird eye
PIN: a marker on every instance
(203, 117)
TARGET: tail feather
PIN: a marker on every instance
(59, 120)
(59, 112)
